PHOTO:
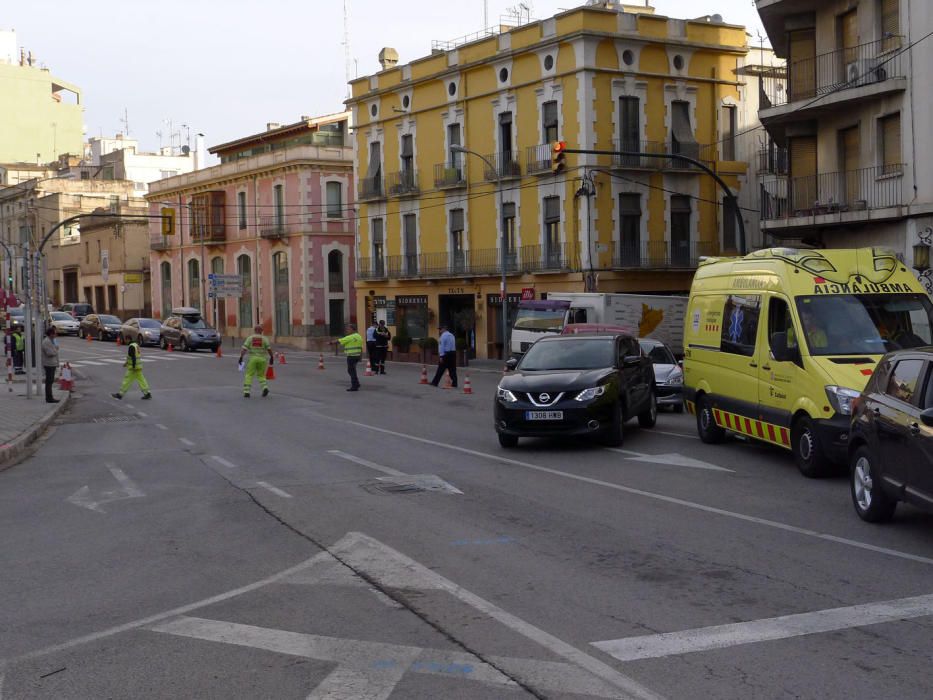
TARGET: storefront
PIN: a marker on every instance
(494, 322)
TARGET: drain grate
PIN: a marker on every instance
(115, 419)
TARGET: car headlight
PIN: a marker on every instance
(506, 395)
(841, 399)
(591, 393)
(675, 379)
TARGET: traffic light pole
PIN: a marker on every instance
(686, 159)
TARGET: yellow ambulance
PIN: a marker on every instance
(778, 343)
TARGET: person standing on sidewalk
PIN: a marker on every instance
(447, 350)
(352, 344)
(134, 373)
(383, 336)
(259, 348)
(19, 351)
(49, 362)
(371, 344)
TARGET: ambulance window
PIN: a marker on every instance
(740, 324)
(779, 321)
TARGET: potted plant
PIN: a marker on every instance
(401, 344)
(428, 349)
(463, 352)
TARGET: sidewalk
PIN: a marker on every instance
(22, 421)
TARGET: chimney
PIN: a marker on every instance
(200, 152)
(388, 58)
(272, 126)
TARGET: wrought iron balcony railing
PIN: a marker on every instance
(506, 166)
(649, 255)
(448, 175)
(701, 152)
(772, 161)
(538, 158)
(272, 226)
(372, 187)
(785, 197)
(403, 183)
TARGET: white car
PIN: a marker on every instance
(668, 374)
(64, 323)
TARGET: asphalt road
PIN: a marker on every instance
(380, 544)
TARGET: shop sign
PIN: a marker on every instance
(415, 300)
(528, 293)
(390, 311)
(496, 300)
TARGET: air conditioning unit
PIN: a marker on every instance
(864, 71)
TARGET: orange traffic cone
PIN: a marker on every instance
(320, 362)
(369, 369)
(270, 372)
(119, 340)
(424, 375)
(282, 359)
(447, 384)
(89, 338)
(467, 387)
(170, 349)
(220, 352)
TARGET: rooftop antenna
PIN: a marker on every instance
(348, 68)
(485, 14)
(125, 120)
(159, 134)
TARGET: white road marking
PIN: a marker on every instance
(656, 646)
(90, 362)
(366, 463)
(116, 362)
(273, 489)
(672, 459)
(160, 426)
(186, 441)
(680, 435)
(647, 494)
(141, 414)
(224, 462)
(82, 497)
(424, 482)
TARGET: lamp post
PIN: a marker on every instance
(921, 251)
(503, 242)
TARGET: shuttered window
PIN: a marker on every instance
(629, 128)
(630, 228)
(803, 172)
(802, 65)
(728, 132)
(849, 147)
(891, 143)
(890, 24)
(549, 121)
(375, 160)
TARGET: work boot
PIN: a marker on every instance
(51, 400)
(147, 395)
(353, 388)
(117, 395)
(265, 392)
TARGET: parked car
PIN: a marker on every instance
(576, 385)
(100, 326)
(145, 331)
(186, 330)
(668, 374)
(64, 323)
(17, 318)
(891, 438)
(78, 311)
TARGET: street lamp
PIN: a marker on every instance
(921, 251)
(503, 259)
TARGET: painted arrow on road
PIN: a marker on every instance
(127, 489)
(672, 459)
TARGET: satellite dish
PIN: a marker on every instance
(186, 149)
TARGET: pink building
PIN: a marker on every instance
(279, 212)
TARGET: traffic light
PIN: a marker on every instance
(558, 157)
(168, 221)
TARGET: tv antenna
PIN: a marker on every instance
(125, 120)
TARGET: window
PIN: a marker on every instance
(803, 173)
(902, 384)
(112, 298)
(740, 324)
(166, 277)
(680, 230)
(408, 161)
(890, 25)
(552, 232)
(410, 232)
(729, 223)
(508, 225)
(457, 254)
(729, 128)
(278, 195)
(928, 398)
(376, 228)
(505, 139)
(629, 128)
(890, 128)
(629, 229)
(194, 283)
(780, 321)
(801, 62)
(244, 270)
(549, 122)
(682, 139)
(453, 139)
(335, 271)
(241, 209)
(334, 200)
(374, 173)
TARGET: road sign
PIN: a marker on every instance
(224, 285)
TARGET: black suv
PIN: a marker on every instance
(891, 438)
(100, 326)
(576, 385)
(78, 311)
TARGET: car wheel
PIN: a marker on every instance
(162, 343)
(678, 408)
(807, 449)
(80, 334)
(614, 435)
(709, 432)
(183, 345)
(648, 418)
(508, 440)
(871, 502)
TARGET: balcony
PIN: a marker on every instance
(842, 197)
(372, 188)
(862, 72)
(403, 183)
(772, 161)
(213, 233)
(660, 255)
(702, 153)
(272, 227)
(159, 244)
(505, 166)
(450, 175)
(538, 159)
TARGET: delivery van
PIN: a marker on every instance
(779, 343)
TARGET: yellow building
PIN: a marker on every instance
(598, 78)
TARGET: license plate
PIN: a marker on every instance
(544, 415)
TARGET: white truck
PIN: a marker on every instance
(645, 315)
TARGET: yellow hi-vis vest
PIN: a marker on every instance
(352, 344)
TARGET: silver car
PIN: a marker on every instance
(145, 331)
(64, 323)
(668, 374)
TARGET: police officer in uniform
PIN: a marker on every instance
(134, 373)
(352, 344)
(258, 347)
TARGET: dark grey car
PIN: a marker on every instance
(186, 330)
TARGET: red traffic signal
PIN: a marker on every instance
(558, 157)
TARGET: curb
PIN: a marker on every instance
(13, 452)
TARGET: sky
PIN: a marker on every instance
(227, 67)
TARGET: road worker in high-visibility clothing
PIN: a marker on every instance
(134, 373)
(260, 357)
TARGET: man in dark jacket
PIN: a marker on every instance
(382, 338)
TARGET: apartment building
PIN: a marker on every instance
(599, 77)
(278, 212)
(845, 118)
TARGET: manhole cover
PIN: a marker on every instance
(415, 483)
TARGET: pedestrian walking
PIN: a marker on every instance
(383, 336)
(19, 351)
(353, 346)
(134, 372)
(259, 349)
(49, 362)
(371, 343)
(447, 351)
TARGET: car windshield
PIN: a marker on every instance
(193, 322)
(865, 324)
(110, 319)
(582, 353)
(61, 316)
(17, 312)
(149, 323)
(659, 354)
(540, 320)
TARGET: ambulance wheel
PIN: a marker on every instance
(508, 440)
(709, 432)
(649, 418)
(807, 449)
